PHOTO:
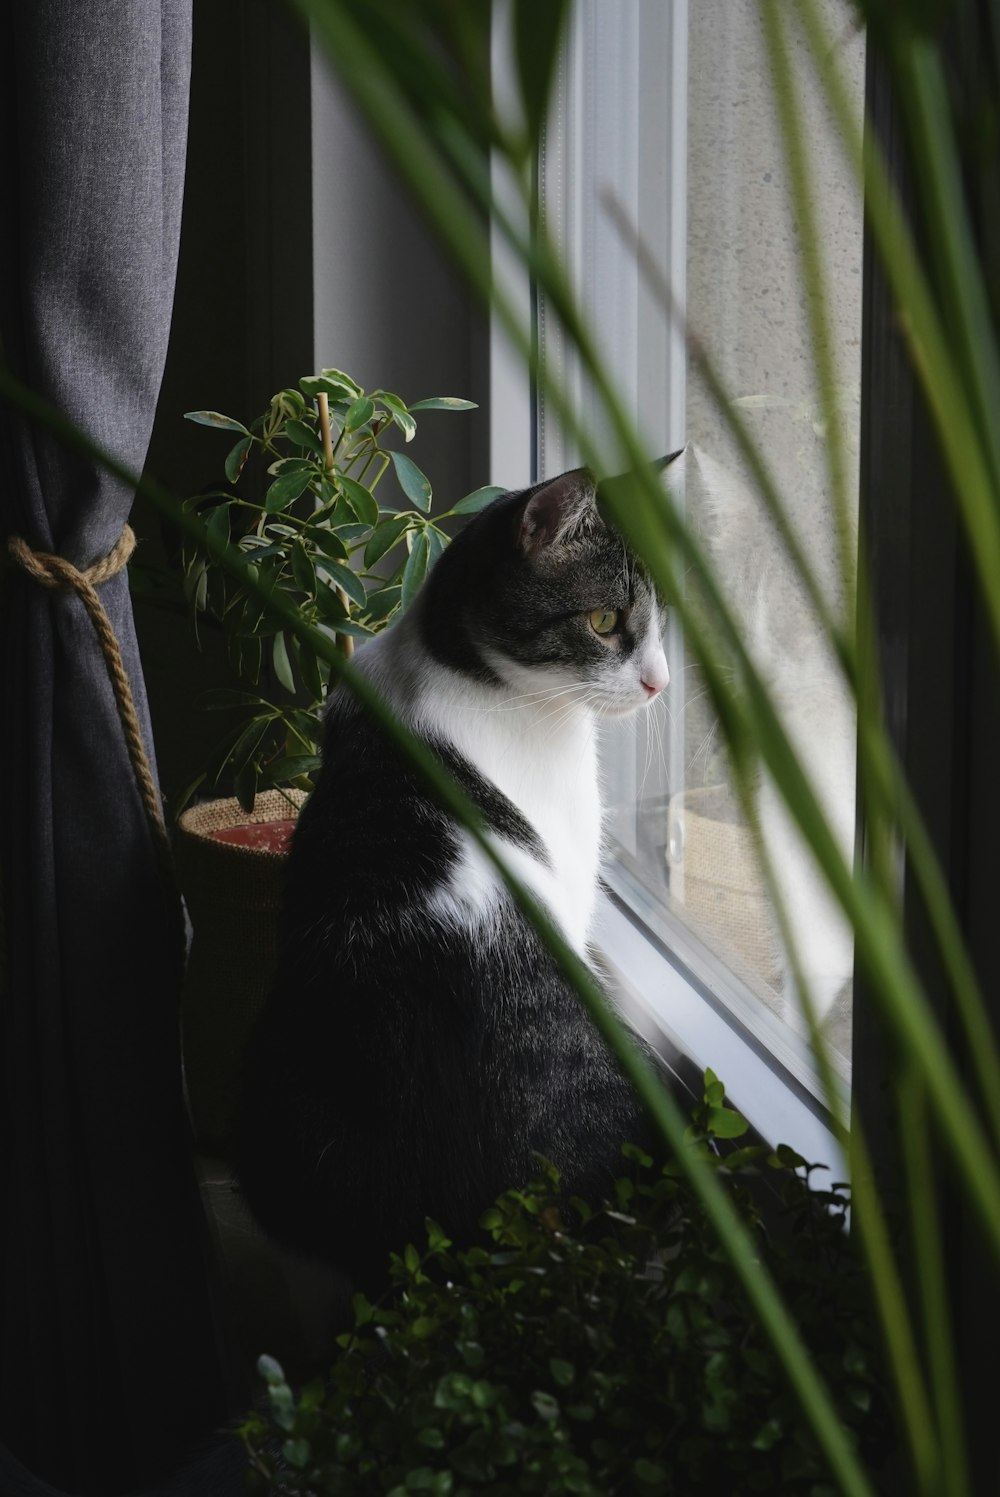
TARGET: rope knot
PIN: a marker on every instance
(58, 573)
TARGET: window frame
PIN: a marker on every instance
(661, 975)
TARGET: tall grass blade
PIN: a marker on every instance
(877, 934)
(803, 1378)
(969, 468)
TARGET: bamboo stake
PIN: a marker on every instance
(323, 407)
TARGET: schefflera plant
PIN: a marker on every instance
(325, 535)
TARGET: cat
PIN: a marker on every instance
(420, 1047)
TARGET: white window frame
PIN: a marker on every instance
(684, 995)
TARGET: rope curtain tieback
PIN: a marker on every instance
(59, 575)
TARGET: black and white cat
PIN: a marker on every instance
(420, 1045)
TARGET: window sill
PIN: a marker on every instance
(680, 1014)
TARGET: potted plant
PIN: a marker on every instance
(593, 1350)
(324, 532)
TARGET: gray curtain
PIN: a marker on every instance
(111, 1365)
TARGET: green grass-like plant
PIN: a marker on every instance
(421, 74)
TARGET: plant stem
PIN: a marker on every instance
(323, 407)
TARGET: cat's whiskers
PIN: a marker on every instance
(559, 716)
(528, 699)
(598, 710)
(658, 731)
(705, 747)
(563, 713)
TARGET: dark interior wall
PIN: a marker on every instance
(389, 307)
(298, 251)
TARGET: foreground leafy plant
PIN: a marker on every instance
(346, 559)
(589, 1351)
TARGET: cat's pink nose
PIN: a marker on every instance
(651, 689)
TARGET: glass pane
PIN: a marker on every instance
(705, 111)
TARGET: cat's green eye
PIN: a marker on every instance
(603, 620)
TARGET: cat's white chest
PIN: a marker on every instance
(557, 792)
(541, 755)
(548, 769)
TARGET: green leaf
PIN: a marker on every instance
(545, 1406)
(297, 1453)
(292, 465)
(384, 537)
(379, 605)
(345, 578)
(327, 384)
(562, 1372)
(477, 500)
(245, 785)
(399, 412)
(309, 668)
(292, 766)
(445, 403)
(360, 500)
(281, 662)
(303, 570)
(360, 412)
(288, 403)
(785, 1158)
(284, 491)
(414, 484)
(714, 1090)
(304, 436)
(345, 626)
(212, 418)
(339, 377)
(258, 549)
(217, 524)
(270, 1370)
(416, 567)
(248, 742)
(327, 541)
(768, 1435)
(236, 460)
(331, 605)
(437, 1239)
(725, 1123)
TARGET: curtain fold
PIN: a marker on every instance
(111, 1360)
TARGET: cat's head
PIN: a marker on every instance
(541, 594)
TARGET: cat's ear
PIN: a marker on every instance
(556, 511)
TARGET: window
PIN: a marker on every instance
(664, 120)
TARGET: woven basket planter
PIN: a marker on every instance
(724, 895)
(233, 894)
